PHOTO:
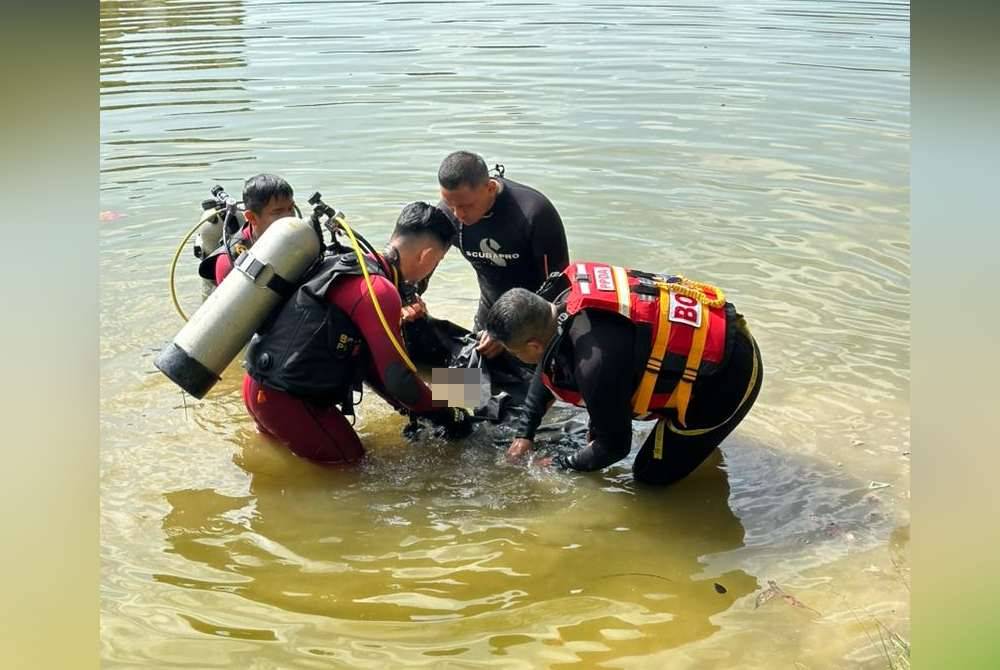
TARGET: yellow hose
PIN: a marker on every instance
(177, 254)
(371, 292)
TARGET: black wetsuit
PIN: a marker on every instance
(603, 358)
(515, 245)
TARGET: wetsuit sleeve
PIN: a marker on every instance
(536, 403)
(223, 266)
(603, 351)
(392, 376)
(548, 242)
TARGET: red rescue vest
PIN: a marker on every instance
(683, 317)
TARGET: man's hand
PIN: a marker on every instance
(415, 310)
(488, 347)
(519, 448)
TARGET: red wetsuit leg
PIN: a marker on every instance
(311, 432)
(248, 388)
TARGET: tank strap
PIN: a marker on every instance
(252, 267)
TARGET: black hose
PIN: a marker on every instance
(225, 234)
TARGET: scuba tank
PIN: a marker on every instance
(262, 278)
(226, 221)
(209, 235)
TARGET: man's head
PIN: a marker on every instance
(524, 322)
(421, 239)
(466, 186)
(266, 198)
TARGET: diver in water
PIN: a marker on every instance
(627, 345)
(510, 233)
(305, 363)
(266, 198)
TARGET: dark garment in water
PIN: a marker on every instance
(503, 379)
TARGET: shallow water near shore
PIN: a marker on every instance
(761, 146)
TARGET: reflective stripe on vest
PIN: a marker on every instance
(622, 288)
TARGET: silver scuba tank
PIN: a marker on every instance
(262, 277)
(209, 236)
(206, 240)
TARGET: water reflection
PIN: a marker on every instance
(163, 60)
(432, 544)
(129, 30)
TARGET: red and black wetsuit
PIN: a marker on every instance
(515, 245)
(323, 342)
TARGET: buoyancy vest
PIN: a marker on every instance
(238, 243)
(311, 348)
(686, 323)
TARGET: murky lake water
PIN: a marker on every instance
(760, 145)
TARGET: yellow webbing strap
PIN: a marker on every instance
(681, 395)
(371, 292)
(640, 401)
(754, 372)
(658, 444)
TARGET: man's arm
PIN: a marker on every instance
(603, 352)
(392, 375)
(536, 403)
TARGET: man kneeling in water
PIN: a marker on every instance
(266, 198)
(328, 337)
(628, 344)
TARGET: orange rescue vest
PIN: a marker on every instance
(683, 317)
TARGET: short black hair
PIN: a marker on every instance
(462, 168)
(420, 218)
(519, 315)
(260, 189)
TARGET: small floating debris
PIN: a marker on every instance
(109, 215)
(874, 485)
(773, 590)
(719, 588)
